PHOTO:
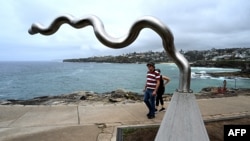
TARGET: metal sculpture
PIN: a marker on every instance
(116, 43)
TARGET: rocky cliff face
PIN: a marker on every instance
(230, 75)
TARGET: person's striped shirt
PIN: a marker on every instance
(152, 78)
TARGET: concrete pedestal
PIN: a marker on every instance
(182, 120)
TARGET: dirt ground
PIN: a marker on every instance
(215, 130)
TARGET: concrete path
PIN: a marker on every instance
(97, 122)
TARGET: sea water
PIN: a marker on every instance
(26, 80)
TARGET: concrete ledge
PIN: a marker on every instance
(182, 120)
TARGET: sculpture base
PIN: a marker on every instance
(182, 120)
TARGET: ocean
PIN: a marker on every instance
(26, 80)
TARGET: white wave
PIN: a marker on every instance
(200, 75)
(205, 77)
(230, 78)
(218, 78)
(243, 78)
(213, 69)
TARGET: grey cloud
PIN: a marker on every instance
(196, 24)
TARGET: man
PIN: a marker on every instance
(150, 90)
(161, 89)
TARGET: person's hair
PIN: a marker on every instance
(158, 70)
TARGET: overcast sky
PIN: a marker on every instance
(195, 24)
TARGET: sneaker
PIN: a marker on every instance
(151, 117)
(162, 109)
(156, 111)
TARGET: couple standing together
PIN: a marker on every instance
(154, 89)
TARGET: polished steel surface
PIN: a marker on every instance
(116, 43)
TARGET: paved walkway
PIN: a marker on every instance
(96, 122)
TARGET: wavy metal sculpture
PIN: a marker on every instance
(116, 43)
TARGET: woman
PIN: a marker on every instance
(161, 89)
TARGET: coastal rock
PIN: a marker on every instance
(83, 98)
(117, 96)
(115, 99)
(87, 97)
(207, 89)
(213, 92)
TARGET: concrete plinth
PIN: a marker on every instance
(182, 120)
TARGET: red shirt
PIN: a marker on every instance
(152, 78)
